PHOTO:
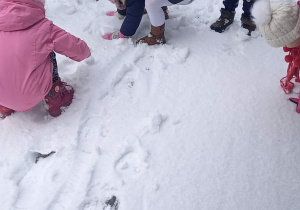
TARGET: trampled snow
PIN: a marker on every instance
(200, 123)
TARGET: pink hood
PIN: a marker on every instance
(26, 39)
(25, 13)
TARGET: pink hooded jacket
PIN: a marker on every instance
(26, 40)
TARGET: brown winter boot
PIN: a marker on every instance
(165, 9)
(248, 23)
(156, 36)
(225, 20)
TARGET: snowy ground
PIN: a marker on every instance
(198, 124)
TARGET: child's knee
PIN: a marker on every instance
(151, 4)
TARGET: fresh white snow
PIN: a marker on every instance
(200, 123)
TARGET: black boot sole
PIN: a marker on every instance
(221, 29)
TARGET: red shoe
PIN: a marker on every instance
(59, 96)
(4, 112)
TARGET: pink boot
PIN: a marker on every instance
(4, 112)
(115, 35)
(59, 96)
(115, 14)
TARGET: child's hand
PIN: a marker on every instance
(118, 4)
(115, 35)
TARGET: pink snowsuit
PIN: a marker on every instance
(26, 40)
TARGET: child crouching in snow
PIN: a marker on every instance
(28, 68)
(279, 23)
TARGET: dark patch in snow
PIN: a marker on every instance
(40, 155)
(113, 202)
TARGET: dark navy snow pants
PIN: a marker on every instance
(55, 75)
(231, 5)
(134, 13)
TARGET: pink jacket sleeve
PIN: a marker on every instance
(69, 45)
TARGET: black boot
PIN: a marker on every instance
(248, 23)
(225, 20)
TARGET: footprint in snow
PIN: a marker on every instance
(152, 124)
(121, 75)
(132, 163)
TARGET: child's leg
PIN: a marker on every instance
(157, 18)
(246, 19)
(60, 94)
(134, 14)
(55, 76)
(247, 6)
(155, 12)
(165, 9)
(230, 5)
(227, 16)
(156, 9)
